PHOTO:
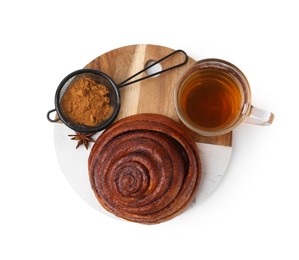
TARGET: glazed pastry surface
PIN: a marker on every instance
(145, 168)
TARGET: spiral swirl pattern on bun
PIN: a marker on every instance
(145, 168)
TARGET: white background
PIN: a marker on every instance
(253, 214)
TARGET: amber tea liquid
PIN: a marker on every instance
(211, 98)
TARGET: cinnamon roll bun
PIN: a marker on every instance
(145, 168)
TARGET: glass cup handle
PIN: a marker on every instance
(259, 116)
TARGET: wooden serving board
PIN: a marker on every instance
(152, 95)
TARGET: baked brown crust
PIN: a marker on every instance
(145, 168)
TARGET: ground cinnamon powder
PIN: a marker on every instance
(86, 102)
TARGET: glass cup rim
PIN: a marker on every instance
(245, 108)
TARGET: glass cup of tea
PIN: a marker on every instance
(213, 97)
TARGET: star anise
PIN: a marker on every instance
(82, 139)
